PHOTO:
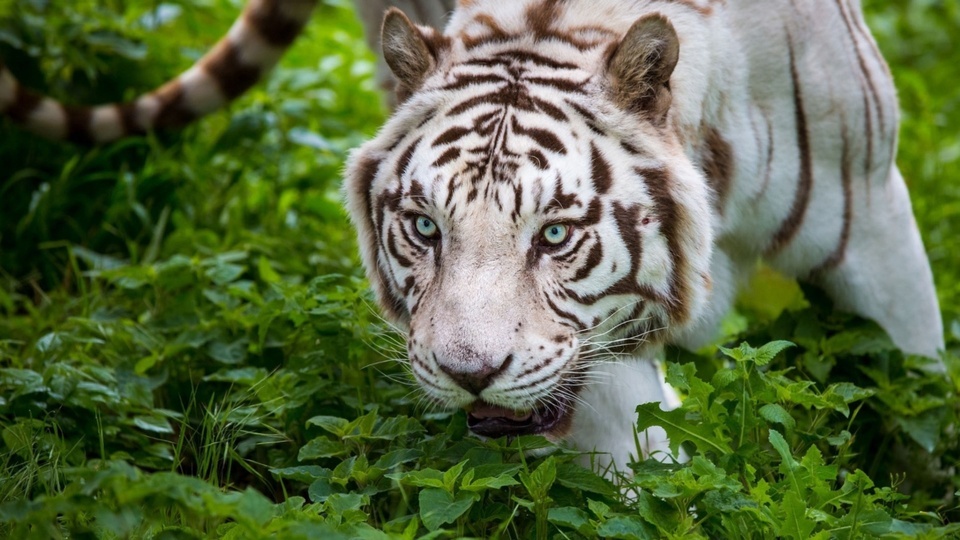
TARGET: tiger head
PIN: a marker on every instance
(528, 212)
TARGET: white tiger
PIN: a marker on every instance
(566, 182)
(569, 180)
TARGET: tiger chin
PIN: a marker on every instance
(566, 186)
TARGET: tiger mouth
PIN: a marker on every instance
(494, 421)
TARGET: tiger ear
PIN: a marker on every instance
(406, 51)
(639, 68)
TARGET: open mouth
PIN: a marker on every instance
(494, 421)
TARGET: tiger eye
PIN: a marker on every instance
(426, 227)
(555, 234)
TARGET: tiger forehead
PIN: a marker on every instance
(502, 128)
(546, 20)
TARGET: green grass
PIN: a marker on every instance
(188, 347)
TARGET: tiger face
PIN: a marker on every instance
(525, 215)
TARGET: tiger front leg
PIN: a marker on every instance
(605, 420)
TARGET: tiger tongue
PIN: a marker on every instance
(481, 410)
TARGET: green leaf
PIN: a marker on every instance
(437, 507)
(840, 395)
(626, 528)
(321, 489)
(795, 522)
(398, 457)
(247, 376)
(573, 518)
(743, 352)
(223, 273)
(773, 413)
(539, 481)
(924, 428)
(321, 447)
(233, 352)
(450, 476)
(576, 477)
(657, 512)
(266, 271)
(396, 426)
(154, 424)
(684, 378)
(838, 440)
(490, 482)
(781, 446)
(680, 429)
(864, 523)
(331, 424)
(23, 382)
(341, 503)
(599, 509)
(768, 352)
(303, 473)
(422, 478)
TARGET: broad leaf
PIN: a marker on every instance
(680, 429)
(437, 507)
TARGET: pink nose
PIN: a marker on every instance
(477, 379)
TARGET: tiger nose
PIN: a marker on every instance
(476, 380)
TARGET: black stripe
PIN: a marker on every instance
(870, 95)
(534, 58)
(78, 124)
(395, 251)
(448, 156)
(475, 101)
(718, 165)
(128, 117)
(600, 173)
(577, 323)
(593, 259)
(232, 76)
(835, 258)
(269, 21)
(404, 162)
(791, 224)
(452, 134)
(538, 159)
(658, 183)
(547, 108)
(868, 79)
(173, 111)
(565, 85)
(542, 137)
(463, 81)
(24, 102)
(517, 201)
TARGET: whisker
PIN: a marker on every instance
(610, 316)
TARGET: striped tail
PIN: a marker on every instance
(254, 44)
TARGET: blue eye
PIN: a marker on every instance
(426, 227)
(555, 234)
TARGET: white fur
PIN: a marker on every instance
(105, 123)
(201, 92)
(48, 117)
(253, 49)
(146, 109)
